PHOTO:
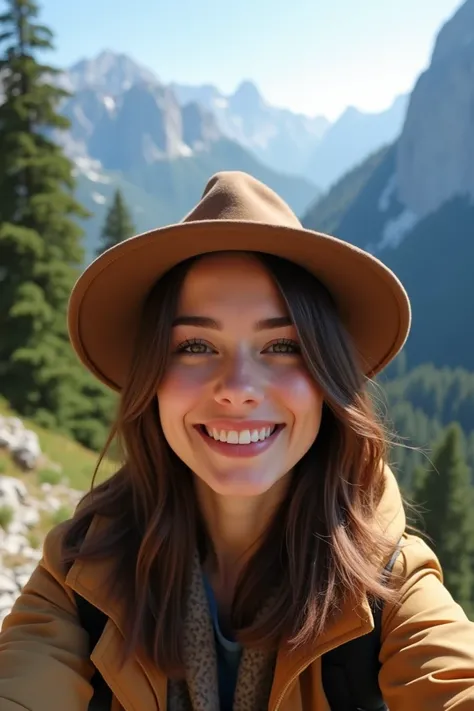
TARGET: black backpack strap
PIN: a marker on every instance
(94, 621)
(350, 672)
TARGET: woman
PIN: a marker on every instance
(247, 532)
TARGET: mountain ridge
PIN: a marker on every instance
(290, 142)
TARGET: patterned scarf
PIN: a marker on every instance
(199, 690)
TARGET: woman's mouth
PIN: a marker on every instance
(242, 442)
(240, 436)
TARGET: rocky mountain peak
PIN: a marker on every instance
(148, 125)
(199, 126)
(109, 71)
(435, 156)
(456, 34)
(246, 97)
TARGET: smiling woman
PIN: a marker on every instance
(237, 385)
(248, 531)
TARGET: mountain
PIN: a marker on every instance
(278, 137)
(327, 211)
(110, 72)
(295, 143)
(412, 205)
(134, 134)
(353, 137)
(125, 118)
(433, 260)
(435, 158)
(163, 191)
(116, 97)
(364, 205)
(141, 123)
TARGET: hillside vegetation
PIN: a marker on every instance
(76, 463)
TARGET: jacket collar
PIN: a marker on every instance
(137, 683)
(90, 578)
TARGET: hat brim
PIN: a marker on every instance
(107, 300)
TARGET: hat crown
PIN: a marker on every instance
(235, 213)
(235, 195)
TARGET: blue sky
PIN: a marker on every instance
(314, 56)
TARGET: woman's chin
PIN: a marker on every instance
(241, 483)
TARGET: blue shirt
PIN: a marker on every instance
(228, 653)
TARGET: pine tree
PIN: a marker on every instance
(445, 494)
(40, 242)
(118, 223)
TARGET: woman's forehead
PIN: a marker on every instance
(229, 280)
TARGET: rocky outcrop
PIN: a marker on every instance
(29, 506)
(354, 136)
(18, 558)
(280, 138)
(109, 72)
(435, 160)
(23, 444)
(145, 125)
(25, 517)
(11, 583)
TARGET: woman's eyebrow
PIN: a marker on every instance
(203, 321)
(207, 322)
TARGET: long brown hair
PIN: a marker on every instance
(321, 542)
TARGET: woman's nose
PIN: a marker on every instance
(239, 383)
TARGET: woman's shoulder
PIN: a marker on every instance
(426, 636)
(423, 598)
(415, 554)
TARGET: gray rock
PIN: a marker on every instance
(7, 600)
(7, 583)
(13, 492)
(435, 157)
(14, 544)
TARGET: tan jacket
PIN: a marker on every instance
(427, 650)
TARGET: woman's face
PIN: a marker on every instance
(237, 404)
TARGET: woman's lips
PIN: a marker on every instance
(230, 449)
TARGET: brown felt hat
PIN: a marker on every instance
(236, 212)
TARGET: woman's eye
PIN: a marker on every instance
(284, 346)
(194, 347)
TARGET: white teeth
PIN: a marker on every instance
(242, 437)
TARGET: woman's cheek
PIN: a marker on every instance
(297, 389)
(182, 377)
